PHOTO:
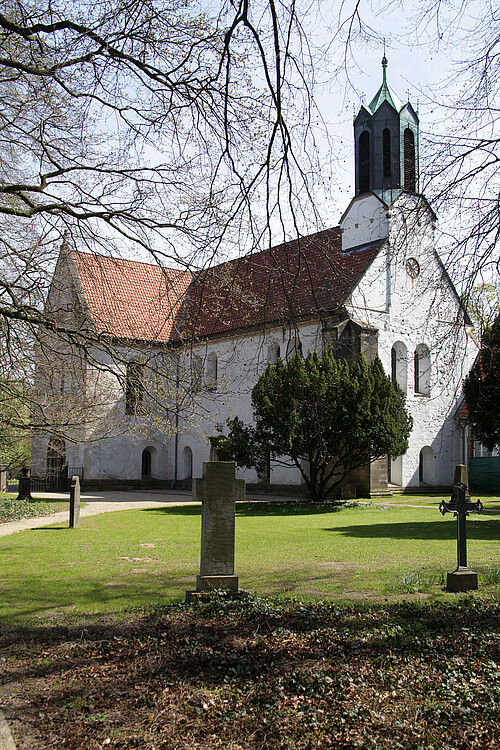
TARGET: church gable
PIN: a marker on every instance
(131, 300)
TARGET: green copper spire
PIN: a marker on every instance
(385, 93)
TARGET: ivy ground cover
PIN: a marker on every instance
(260, 674)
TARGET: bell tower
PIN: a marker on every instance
(386, 145)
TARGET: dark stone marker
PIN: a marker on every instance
(462, 579)
(218, 490)
(74, 503)
(24, 486)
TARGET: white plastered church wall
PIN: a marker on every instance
(419, 311)
(241, 360)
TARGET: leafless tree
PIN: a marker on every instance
(148, 126)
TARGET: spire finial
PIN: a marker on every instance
(384, 66)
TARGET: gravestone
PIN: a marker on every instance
(218, 491)
(74, 503)
(462, 579)
(24, 486)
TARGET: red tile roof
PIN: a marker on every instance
(299, 278)
(129, 299)
(137, 300)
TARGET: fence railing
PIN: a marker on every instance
(56, 480)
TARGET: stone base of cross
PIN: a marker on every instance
(218, 491)
(461, 580)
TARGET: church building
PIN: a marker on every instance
(173, 354)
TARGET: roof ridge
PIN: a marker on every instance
(118, 259)
(252, 256)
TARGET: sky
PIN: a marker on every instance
(418, 65)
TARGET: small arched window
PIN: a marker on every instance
(422, 370)
(56, 455)
(273, 353)
(399, 365)
(293, 347)
(409, 160)
(386, 154)
(196, 374)
(364, 162)
(212, 371)
(134, 388)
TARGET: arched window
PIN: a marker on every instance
(273, 353)
(409, 160)
(422, 370)
(293, 347)
(146, 463)
(134, 388)
(56, 455)
(196, 373)
(399, 365)
(212, 372)
(364, 162)
(386, 155)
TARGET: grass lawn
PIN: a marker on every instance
(133, 558)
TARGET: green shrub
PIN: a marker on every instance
(13, 510)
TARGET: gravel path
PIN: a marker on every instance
(99, 502)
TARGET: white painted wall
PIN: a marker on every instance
(418, 311)
(364, 221)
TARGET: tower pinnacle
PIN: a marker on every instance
(386, 144)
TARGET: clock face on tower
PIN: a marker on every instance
(412, 268)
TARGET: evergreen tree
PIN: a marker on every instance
(482, 389)
(323, 416)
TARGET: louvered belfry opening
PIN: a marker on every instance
(364, 162)
(409, 160)
(386, 156)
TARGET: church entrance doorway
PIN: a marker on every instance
(57, 470)
(146, 464)
(187, 463)
(426, 466)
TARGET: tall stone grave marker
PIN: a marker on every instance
(218, 491)
(74, 503)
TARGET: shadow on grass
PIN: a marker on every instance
(31, 599)
(420, 530)
(256, 508)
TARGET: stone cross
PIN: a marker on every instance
(74, 503)
(462, 579)
(218, 490)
